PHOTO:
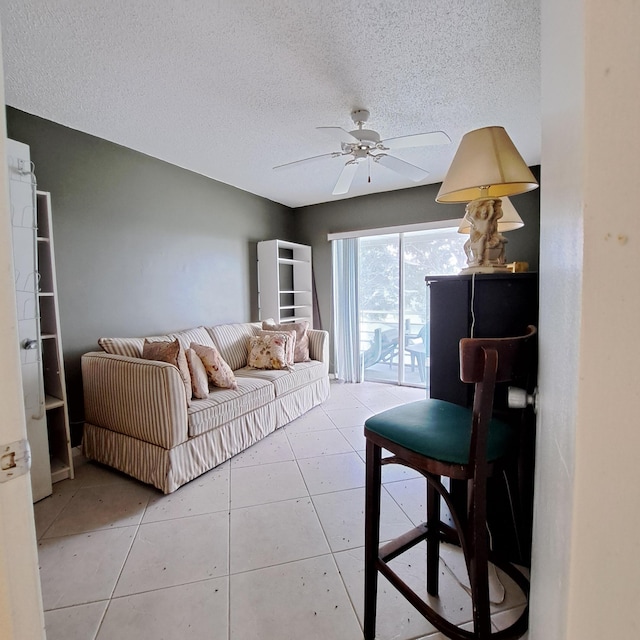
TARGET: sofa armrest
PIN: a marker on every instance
(319, 346)
(140, 398)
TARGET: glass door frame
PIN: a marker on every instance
(402, 356)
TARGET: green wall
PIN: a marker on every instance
(394, 208)
(142, 247)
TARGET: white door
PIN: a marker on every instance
(22, 212)
(21, 614)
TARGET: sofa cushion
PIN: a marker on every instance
(290, 342)
(218, 371)
(173, 353)
(165, 338)
(131, 347)
(199, 378)
(302, 339)
(268, 351)
(284, 382)
(232, 340)
(199, 335)
(223, 405)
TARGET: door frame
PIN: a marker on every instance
(21, 613)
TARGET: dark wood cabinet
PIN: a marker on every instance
(484, 306)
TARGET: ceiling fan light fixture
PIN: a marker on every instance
(360, 155)
(365, 144)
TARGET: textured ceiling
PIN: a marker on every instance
(231, 88)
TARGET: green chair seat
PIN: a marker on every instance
(439, 430)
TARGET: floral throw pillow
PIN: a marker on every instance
(268, 352)
(302, 339)
(290, 343)
(218, 371)
(172, 353)
(199, 379)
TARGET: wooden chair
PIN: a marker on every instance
(438, 438)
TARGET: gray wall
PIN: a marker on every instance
(393, 208)
(142, 246)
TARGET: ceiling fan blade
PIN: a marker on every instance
(305, 160)
(417, 140)
(346, 178)
(339, 134)
(400, 166)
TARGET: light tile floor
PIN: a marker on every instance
(267, 546)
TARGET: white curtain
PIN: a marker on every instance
(346, 331)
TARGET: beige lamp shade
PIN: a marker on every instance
(510, 219)
(486, 165)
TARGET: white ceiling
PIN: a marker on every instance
(231, 88)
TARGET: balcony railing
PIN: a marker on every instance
(380, 347)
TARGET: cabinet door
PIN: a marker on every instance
(488, 306)
(448, 323)
(495, 306)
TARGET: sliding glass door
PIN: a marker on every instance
(393, 314)
(379, 306)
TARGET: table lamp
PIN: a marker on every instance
(509, 221)
(485, 168)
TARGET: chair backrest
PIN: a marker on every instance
(486, 361)
(472, 356)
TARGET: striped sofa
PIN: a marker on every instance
(136, 414)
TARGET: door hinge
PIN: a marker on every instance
(15, 460)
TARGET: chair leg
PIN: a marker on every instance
(371, 536)
(433, 541)
(479, 561)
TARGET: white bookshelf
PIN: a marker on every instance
(284, 281)
(55, 400)
(42, 367)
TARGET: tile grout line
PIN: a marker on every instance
(332, 553)
(324, 533)
(102, 617)
(42, 535)
(124, 562)
(344, 584)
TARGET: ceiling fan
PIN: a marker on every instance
(365, 145)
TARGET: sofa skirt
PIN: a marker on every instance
(168, 469)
